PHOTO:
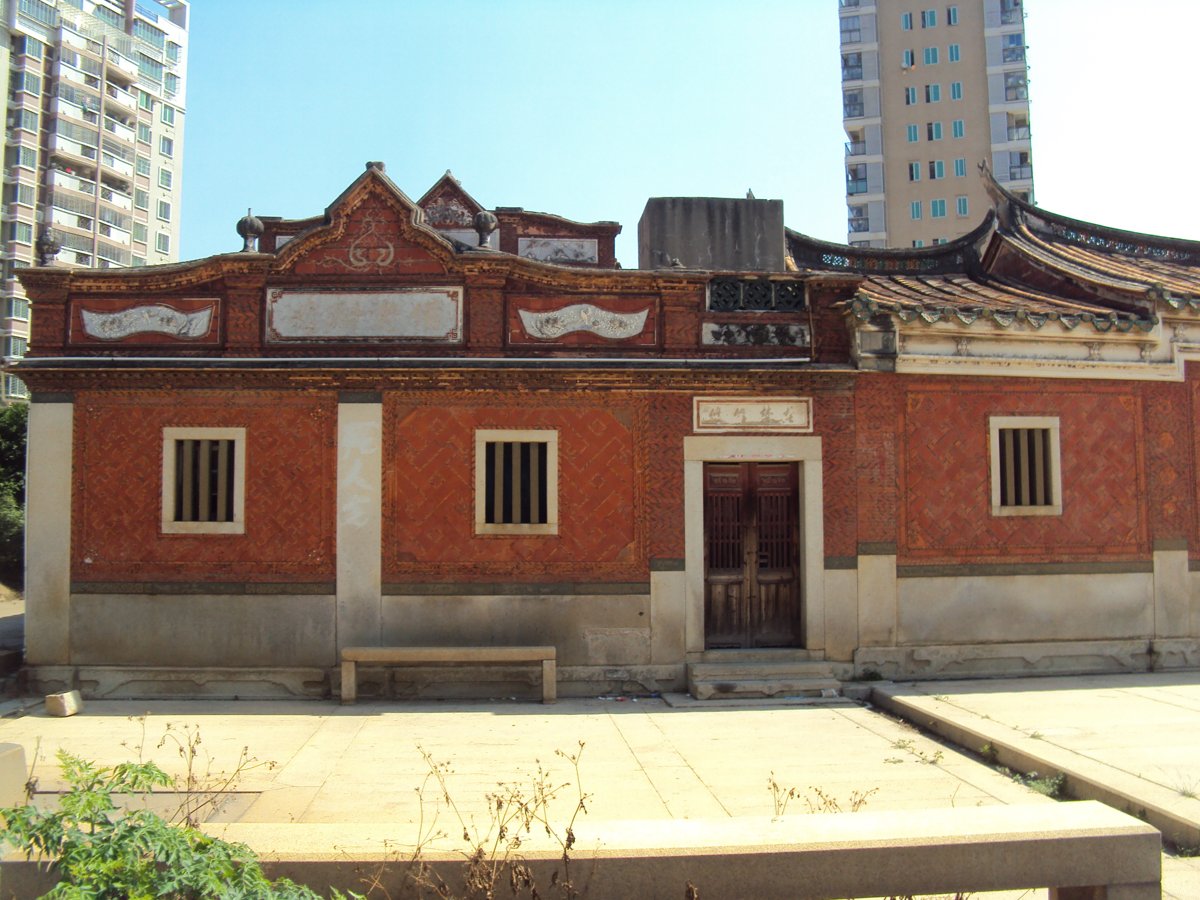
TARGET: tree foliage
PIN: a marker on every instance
(13, 423)
(101, 851)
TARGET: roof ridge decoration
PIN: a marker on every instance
(1011, 209)
(448, 205)
(960, 255)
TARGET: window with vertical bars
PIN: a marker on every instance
(1025, 466)
(515, 492)
(204, 479)
(516, 481)
(203, 486)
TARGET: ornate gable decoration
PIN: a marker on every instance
(373, 230)
(448, 207)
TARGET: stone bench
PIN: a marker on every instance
(425, 656)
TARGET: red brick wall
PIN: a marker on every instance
(290, 488)
(944, 476)
(429, 506)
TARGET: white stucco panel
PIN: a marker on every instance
(426, 314)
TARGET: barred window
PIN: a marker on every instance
(203, 480)
(516, 482)
(1025, 466)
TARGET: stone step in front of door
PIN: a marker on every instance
(735, 669)
(761, 655)
(762, 678)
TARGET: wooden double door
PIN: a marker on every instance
(752, 578)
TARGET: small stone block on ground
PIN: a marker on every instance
(65, 704)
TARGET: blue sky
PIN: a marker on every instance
(586, 109)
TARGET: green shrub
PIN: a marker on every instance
(100, 851)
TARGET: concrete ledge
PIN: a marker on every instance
(1068, 845)
(821, 856)
(1044, 658)
(1176, 816)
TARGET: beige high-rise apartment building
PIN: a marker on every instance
(929, 91)
(93, 140)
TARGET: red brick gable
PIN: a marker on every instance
(372, 229)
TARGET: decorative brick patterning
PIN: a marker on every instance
(946, 514)
(429, 515)
(671, 420)
(1169, 468)
(878, 409)
(372, 234)
(290, 488)
(834, 421)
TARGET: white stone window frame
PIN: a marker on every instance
(173, 434)
(548, 436)
(1051, 424)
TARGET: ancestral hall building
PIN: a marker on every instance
(428, 423)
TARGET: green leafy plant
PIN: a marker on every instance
(13, 422)
(100, 849)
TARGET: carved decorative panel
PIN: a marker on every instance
(146, 321)
(559, 250)
(596, 320)
(778, 415)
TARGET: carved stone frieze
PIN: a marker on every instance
(755, 335)
(151, 319)
(559, 250)
(614, 326)
(781, 415)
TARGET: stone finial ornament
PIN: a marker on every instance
(485, 224)
(250, 229)
(377, 165)
(48, 245)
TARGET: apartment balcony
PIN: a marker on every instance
(117, 165)
(64, 72)
(856, 148)
(1020, 173)
(122, 98)
(1011, 16)
(121, 130)
(849, 4)
(116, 198)
(853, 111)
(858, 226)
(113, 233)
(1018, 133)
(121, 66)
(1013, 54)
(852, 73)
(71, 150)
(1016, 94)
(57, 178)
(62, 107)
(856, 186)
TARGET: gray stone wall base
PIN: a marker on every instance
(1049, 658)
(145, 683)
(374, 682)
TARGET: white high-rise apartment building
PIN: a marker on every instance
(929, 91)
(93, 140)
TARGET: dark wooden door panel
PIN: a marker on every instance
(751, 529)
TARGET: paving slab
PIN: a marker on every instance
(368, 766)
(1131, 741)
